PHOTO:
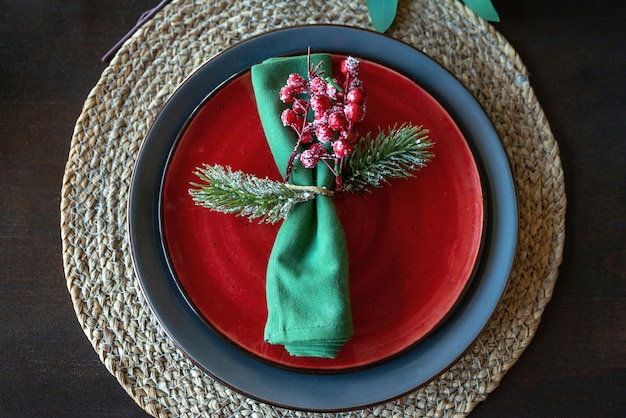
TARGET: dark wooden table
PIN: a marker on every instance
(50, 59)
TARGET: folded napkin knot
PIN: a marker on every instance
(307, 274)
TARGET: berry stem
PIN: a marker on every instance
(300, 133)
(292, 157)
(330, 167)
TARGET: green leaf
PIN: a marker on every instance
(382, 13)
(484, 9)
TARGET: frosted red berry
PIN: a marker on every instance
(308, 159)
(321, 116)
(324, 133)
(348, 135)
(290, 118)
(342, 148)
(299, 106)
(318, 149)
(350, 67)
(287, 94)
(296, 82)
(354, 112)
(345, 70)
(306, 137)
(356, 95)
(317, 85)
(320, 103)
(337, 120)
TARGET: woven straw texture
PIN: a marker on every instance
(117, 115)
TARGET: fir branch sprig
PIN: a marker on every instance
(243, 194)
(397, 153)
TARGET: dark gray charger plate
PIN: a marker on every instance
(323, 392)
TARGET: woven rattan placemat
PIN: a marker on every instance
(118, 113)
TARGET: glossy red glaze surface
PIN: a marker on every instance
(413, 244)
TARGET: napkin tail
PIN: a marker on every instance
(307, 285)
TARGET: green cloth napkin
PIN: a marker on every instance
(307, 274)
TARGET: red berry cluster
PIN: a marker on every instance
(336, 108)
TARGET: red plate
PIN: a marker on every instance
(413, 244)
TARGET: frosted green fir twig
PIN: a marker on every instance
(398, 153)
(243, 194)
